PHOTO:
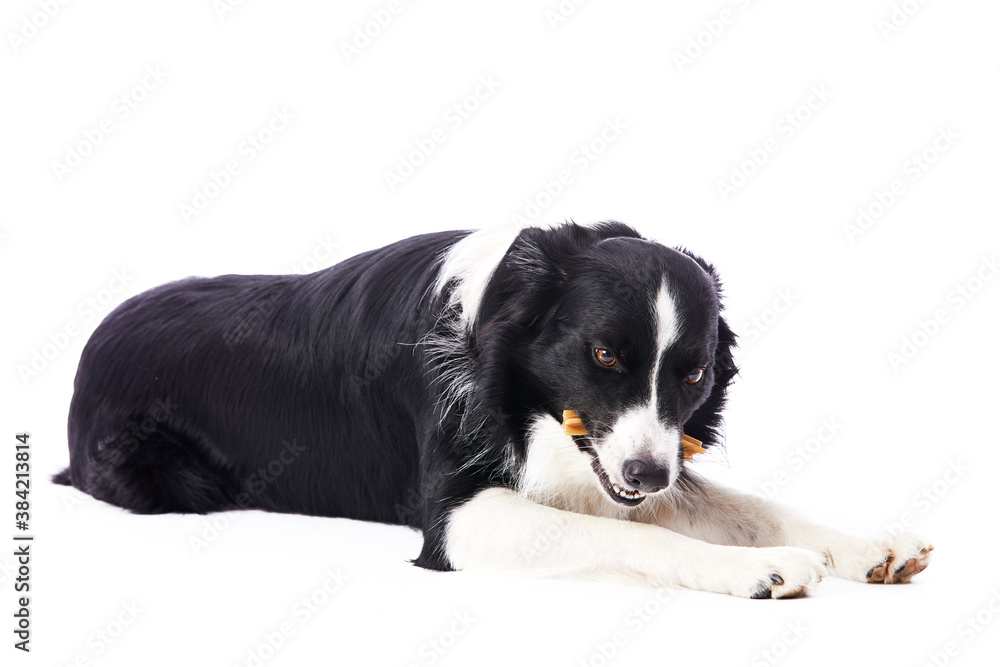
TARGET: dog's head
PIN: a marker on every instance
(623, 331)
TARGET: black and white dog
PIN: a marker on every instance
(424, 384)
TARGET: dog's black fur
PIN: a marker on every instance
(357, 392)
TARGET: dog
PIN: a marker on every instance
(425, 384)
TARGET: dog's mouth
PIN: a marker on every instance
(618, 493)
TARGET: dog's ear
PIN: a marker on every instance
(540, 262)
(549, 253)
(562, 243)
(725, 368)
(522, 300)
(706, 422)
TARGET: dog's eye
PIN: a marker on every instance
(694, 377)
(604, 357)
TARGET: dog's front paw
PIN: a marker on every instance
(791, 571)
(889, 560)
(898, 559)
(772, 572)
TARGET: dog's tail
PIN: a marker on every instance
(62, 478)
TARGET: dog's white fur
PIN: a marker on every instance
(639, 432)
(560, 521)
(471, 263)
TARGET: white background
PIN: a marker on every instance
(76, 243)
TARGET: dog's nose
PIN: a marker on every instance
(646, 476)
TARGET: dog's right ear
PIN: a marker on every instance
(553, 250)
(535, 266)
(547, 254)
(540, 262)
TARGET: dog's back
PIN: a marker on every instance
(271, 392)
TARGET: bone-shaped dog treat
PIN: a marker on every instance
(691, 446)
(573, 425)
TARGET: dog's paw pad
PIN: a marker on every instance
(878, 572)
(901, 563)
(793, 572)
(764, 591)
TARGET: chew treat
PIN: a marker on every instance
(691, 447)
(572, 423)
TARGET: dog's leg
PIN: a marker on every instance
(500, 530)
(722, 516)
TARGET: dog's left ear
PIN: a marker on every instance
(706, 422)
(725, 365)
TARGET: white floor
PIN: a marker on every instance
(296, 590)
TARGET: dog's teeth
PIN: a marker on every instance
(628, 494)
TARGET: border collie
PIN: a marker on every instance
(424, 384)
